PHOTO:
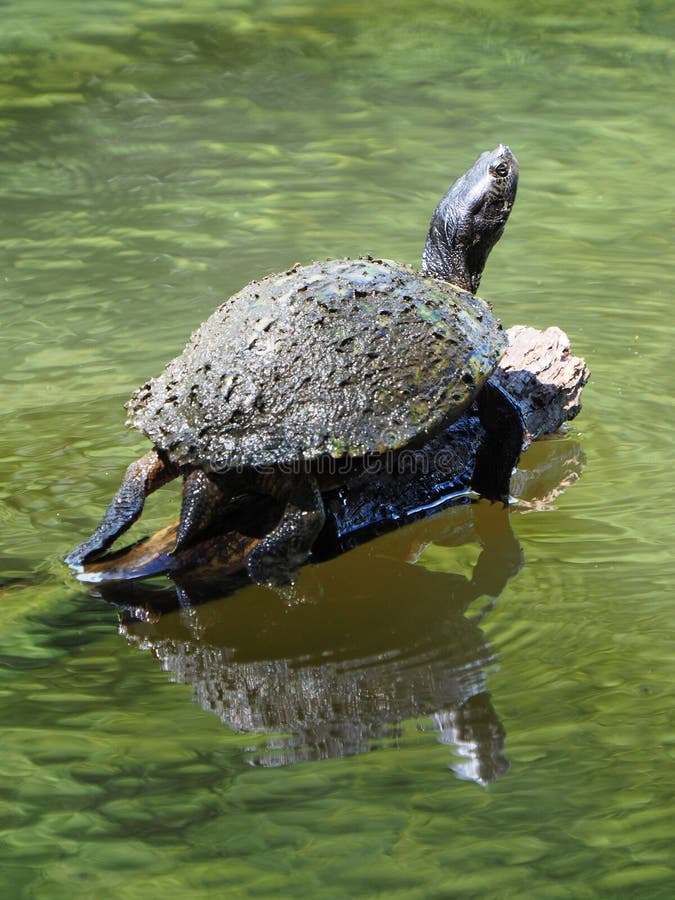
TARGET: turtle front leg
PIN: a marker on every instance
(498, 454)
(275, 559)
(142, 477)
(202, 501)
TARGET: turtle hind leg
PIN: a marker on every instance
(143, 476)
(202, 500)
(277, 556)
(498, 453)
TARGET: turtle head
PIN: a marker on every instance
(470, 219)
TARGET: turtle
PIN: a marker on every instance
(332, 362)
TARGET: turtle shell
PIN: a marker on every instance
(345, 357)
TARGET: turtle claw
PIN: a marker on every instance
(86, 551)
(268, 565)
(142, 477)
(74, 565)
(74, 560)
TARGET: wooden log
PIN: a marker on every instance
(538, 371)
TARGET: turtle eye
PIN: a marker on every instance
(502, 170)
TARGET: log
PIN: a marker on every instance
(538, 371)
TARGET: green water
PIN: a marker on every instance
(154, 157)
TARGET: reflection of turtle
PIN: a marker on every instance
(338, 673)
(332, 360)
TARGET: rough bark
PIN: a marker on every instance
(540, 372)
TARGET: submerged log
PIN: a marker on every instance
(538, 371)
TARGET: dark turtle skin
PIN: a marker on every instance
(334, 360)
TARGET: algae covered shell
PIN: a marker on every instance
(338, 358)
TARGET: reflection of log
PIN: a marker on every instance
(538, 371)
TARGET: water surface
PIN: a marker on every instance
(466, 707)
